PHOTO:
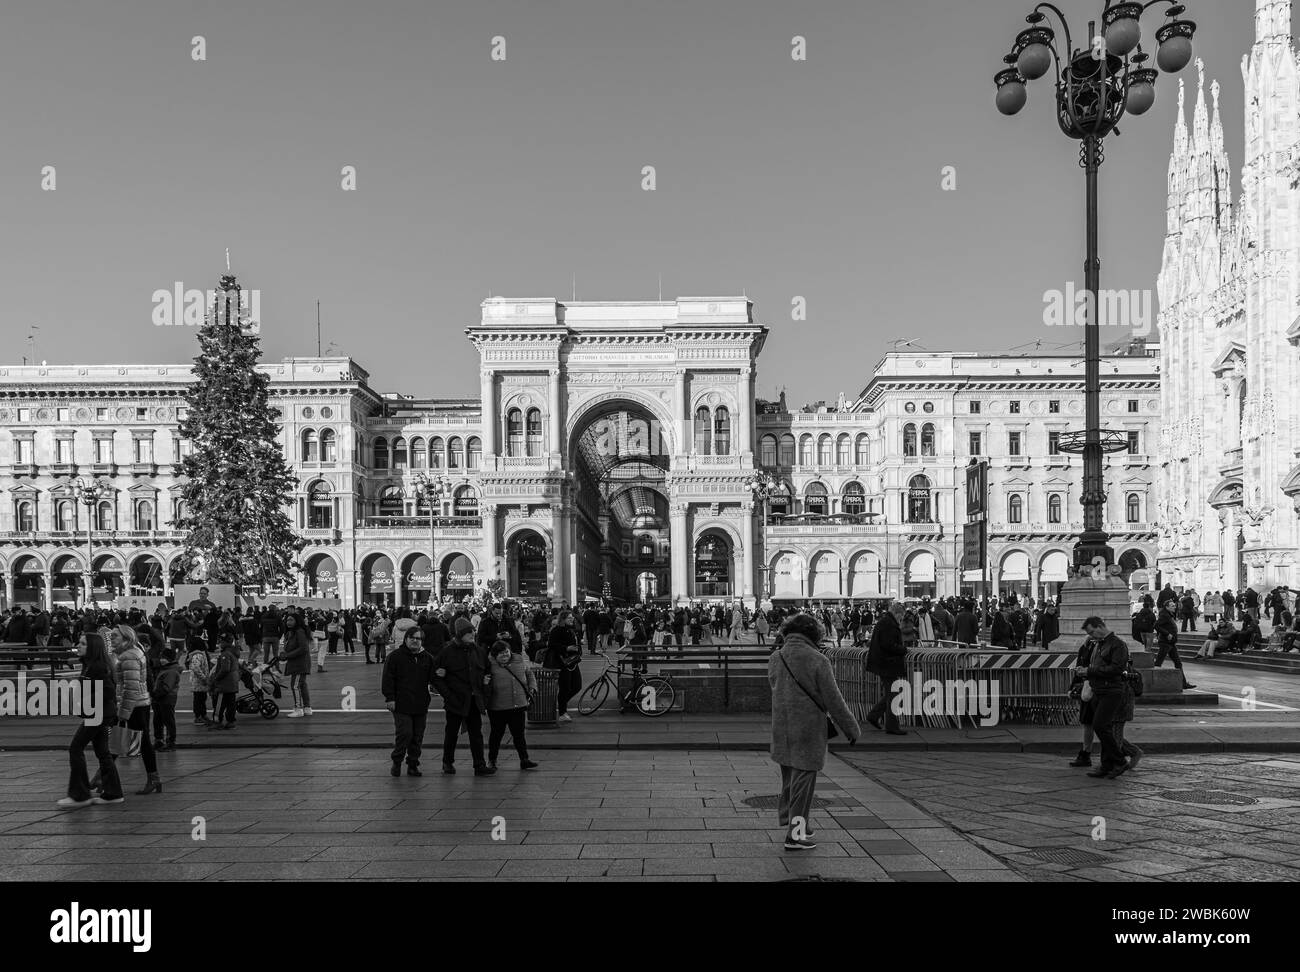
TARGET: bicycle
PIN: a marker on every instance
(650, 695)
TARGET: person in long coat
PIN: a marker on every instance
(886, 659)
(804, 695)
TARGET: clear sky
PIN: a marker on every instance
(777, 178)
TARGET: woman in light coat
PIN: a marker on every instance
(510, 693)
(804, 695)
(131, 677)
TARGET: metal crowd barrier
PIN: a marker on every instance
(1032, 686)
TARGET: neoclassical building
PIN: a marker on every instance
(1230, 332)
(610, 453)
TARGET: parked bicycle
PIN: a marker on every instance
(650, 695)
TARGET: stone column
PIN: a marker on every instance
(7, 581)
(491, 549)
(746, 410)
(557, 446)
(348, 587)
(559, 540)
(678, 542)
(49, 590)
(487, 393)
(680, 419)
(1231, 553)
(747, 540)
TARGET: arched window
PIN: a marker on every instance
(1015, 508)
(475, 452)
(779, 503)
(466, 502)
(863, 451)
(144, 514)
(534, 432)
(328, 446)
(418, 455)
(919, 509)
(310, 446)
(104, 519)
(785, 451)
(927, 439)
(381, 453)
(909, 440)
(400, 461)
(1134, 508)
(702, 431)
(26, 517)
(767, 450)
(855, 500)
(64, 521)
(514, 432)
(437, 452)
(815, 499)
(320, 508)
(844, 451)
(1054, 508)
(455, 453)
(646, 549)
(179, 509)
(825, 451)
(806, 451)
(722, 431)
(390, 501)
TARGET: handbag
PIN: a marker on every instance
(1085, 694)
(831, 730)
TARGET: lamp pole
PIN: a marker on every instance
(433, 489)
(1096, 86)
(762, 485)
(89, 492)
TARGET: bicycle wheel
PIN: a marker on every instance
(654, 696)
(593, 697)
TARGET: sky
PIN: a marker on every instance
(775, 178)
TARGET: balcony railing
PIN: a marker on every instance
(23, 469)
(103, 469)
(63, 469)
(320, 533)
(420, 522)
(144, 469)
(97, 536)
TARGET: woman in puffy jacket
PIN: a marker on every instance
(296, 655)
(132, 681)
(510, 693)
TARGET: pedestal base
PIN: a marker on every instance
(1107, 598)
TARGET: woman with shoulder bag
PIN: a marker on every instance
(95, 667)
(510, 693)
(563, 654)
(133, 699)
(296, 655)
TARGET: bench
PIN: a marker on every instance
(56, 658)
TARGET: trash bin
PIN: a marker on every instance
(545, 707)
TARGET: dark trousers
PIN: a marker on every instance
(164, 722)
(1187, 621)
(139, 721)
(78, 781)
(591, 641)
(570, 685)
(410, 737)
(473, 723)
(334, 644)
(1108, 728)
(201, 704)
(501, 720)
(796, 799)
(226, 711)
(1172, 649)
(349, 645)
(885, 706)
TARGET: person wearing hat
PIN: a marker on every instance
(461, 678)
(408, 673)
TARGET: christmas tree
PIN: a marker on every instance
(238, 487)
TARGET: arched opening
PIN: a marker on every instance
(400, 458)
(515, 432)
(310, 446)
(28, 582)
(721, 431)
(927, 440)
(702, 431)
(767, 451)
(787, 576)
(1013, 574)
(816, 500)
(474, 453)
(65, 516)
(417, 579)
(419, 457)
(866, 577)
(144, 515)
(1053, 573)
(378, 580)
(381, 453)
(105, 521)
(862, 455)
(909, 441)
(146, 576)
(713, 565)
(647, 587)
(824, 576)
(67, 584)
(785, 451)
(920, 575)
(26, 516)
(854, 502)
(322, 574)
(465, 502)
(108, 582)
(328, 446)
(455, 453)
(1015, 508)
(1054, 508)
(391, 502)
(1133, 508)
(320, 507)
(779, 503)
(457, 576)
(526, 567)
(806, 451)
(844, 450)
(919, 506)
(1133, 569)
(534, 430)
(437, 452)
(825, 451)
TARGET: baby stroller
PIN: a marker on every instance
(264, 687)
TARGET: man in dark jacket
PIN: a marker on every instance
(1106, 669)
(434, 629)
(966, 627)
(1229, 605)
(408, 674)
(498, 626)
(460, 676)
(885, 659)
(1167, 636)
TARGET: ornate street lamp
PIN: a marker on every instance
(90, 492)
(1096, 86)
(762, 485)
(434, 489)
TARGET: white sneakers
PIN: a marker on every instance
(67, 803)
(296, 713)
(99, 799)
(565, 717)
(306, 710)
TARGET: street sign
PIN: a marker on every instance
(977, 487)
(972, 546)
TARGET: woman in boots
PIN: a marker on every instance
(133, 698)
(95, 667)
(509, 695)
